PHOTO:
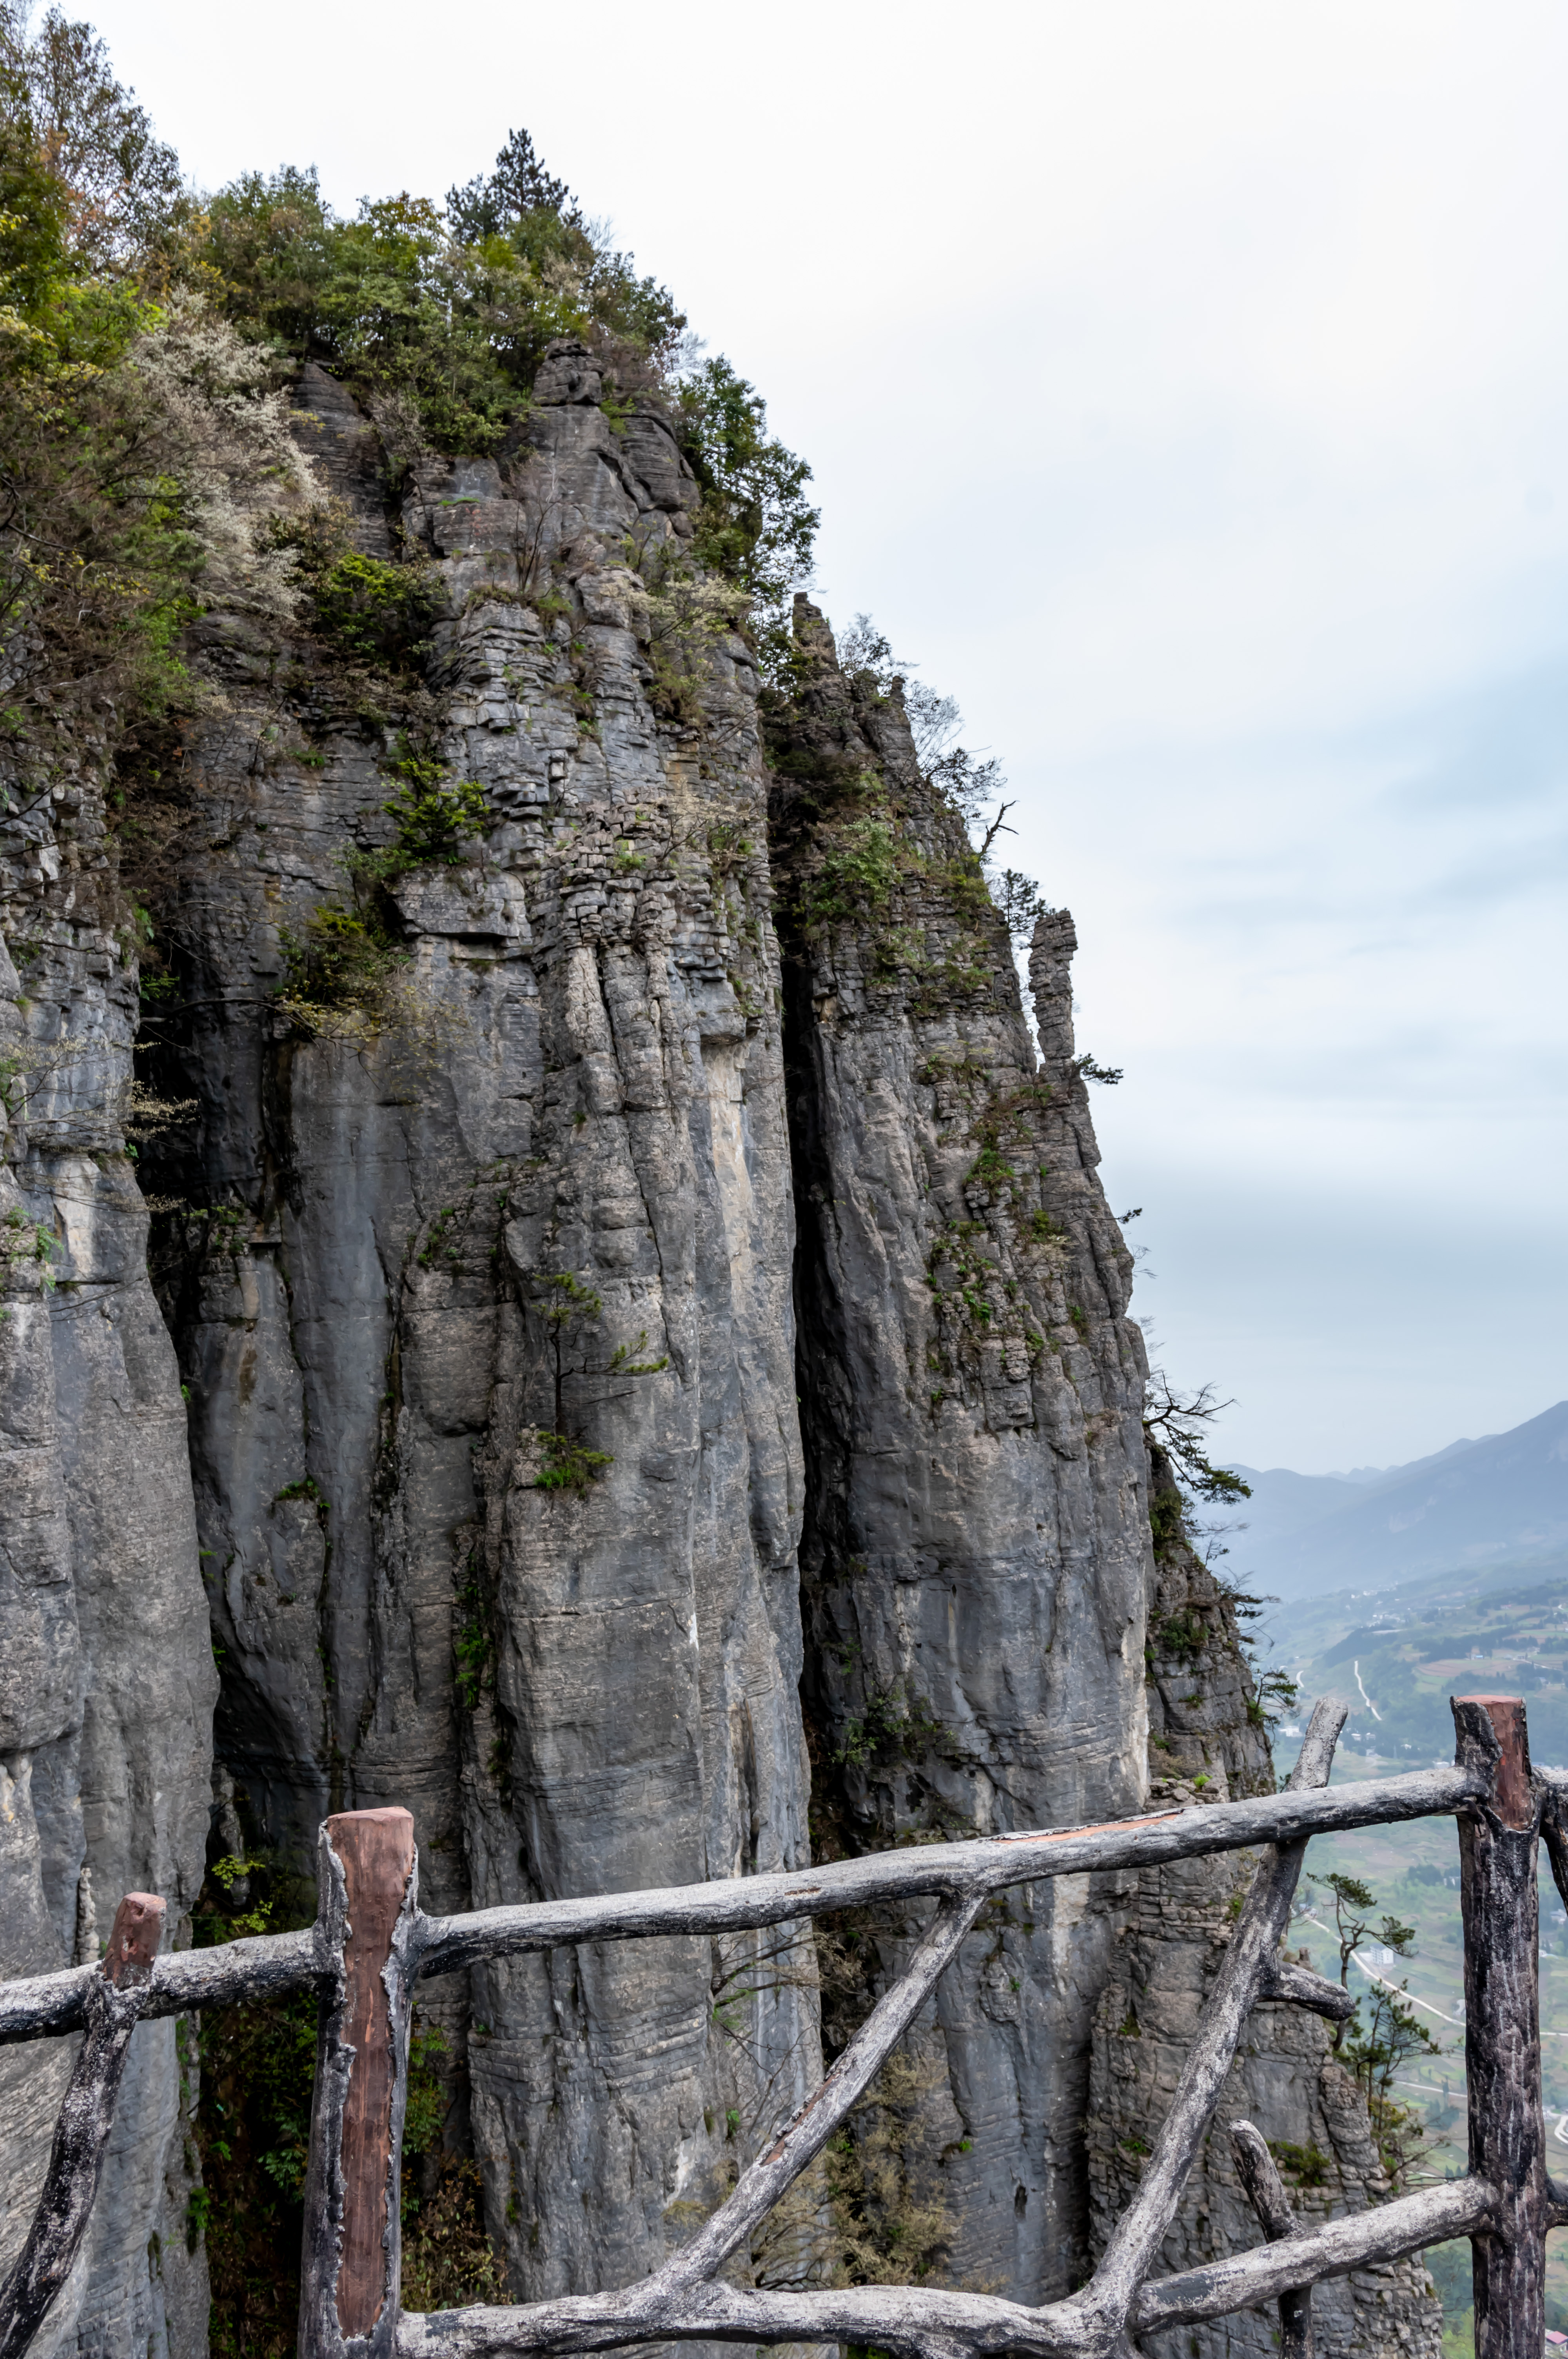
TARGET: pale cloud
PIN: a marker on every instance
(1186, 387)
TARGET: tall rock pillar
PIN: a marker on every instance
(975, 1558)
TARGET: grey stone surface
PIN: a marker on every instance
(515, 1432)
(554, 1201)
(106, 1673)
(977, 1555)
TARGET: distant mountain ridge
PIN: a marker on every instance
(1501, 1499)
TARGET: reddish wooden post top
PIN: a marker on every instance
(1512, 1792)
(376, 1848)
(135, 1937)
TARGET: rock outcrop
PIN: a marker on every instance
(977, 1532)
(538, 1475)
(485, 1315)
(106, 1672)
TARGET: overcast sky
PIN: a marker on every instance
(1186, 387)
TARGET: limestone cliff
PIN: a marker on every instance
(106, 1673)
(485, 1313)
(975, 1562)
(635, 1308)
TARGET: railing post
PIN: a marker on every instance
(1498, 1845)
(1261, 2177)
(351, 2265)
(115, 1997)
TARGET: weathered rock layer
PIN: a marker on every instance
(543, 1479)
(106, 1672)
(976, 1534)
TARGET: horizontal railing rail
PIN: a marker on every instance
(372, 1942)
(265, 1964)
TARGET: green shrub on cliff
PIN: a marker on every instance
(375, 614)
(435, 815)
(754, 525)
(253, 2128)
(145, 339)
(453, 309)
(146, 443)
(452, 306)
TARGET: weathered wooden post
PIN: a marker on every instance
(1266, 2190)
(350, 2266)
(1498, 1845)
(115, 1997)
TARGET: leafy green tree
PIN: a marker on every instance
(1352, 1902)
(490, 203)
(118, 184)
(1384, 2034)
(435, 815)
(754, 525)
(143, 445)
(453, 309)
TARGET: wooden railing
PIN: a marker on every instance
(371, 1941)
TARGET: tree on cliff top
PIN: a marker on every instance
(448, 313)
(118, 184)
(754, 527)
(143, 444)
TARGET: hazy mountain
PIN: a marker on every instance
(1501, 1499)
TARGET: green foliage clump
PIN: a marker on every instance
(428, 2101)
(473, 1648)
(1165, 1521)
(26, 1243)
(754, 525)
(1022, 905)
(447, 2259)
(253, 2122)
(625, 1360)
(989, 1169)
(344, 973)
(376, 613)
(567, 1298)
(144, 443)
(252, 2131)
(1377, 2042)
(1304, 2166)
(306, 1488)
(347, 970)
(567, 1465)
(891, 2221)
(435, 816)
(681, 619)
(854, 875)
(1183, 1635)
(894, 1725)
(449, 310)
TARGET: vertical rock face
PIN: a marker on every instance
(106, 1674)
(517, 1427)
(487, 1323)
(1284, 2079)
(977, 1554)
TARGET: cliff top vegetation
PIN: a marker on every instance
(149, 329)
